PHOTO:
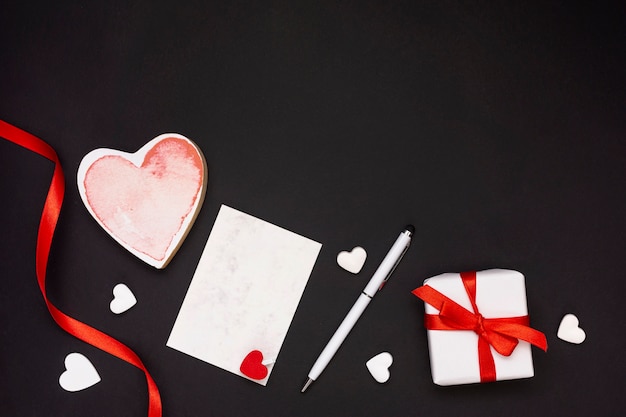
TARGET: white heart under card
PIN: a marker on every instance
(352, 261)
(147, 200)
(79, 374)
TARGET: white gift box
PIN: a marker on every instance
(454, 359)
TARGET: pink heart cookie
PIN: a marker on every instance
(147, 200)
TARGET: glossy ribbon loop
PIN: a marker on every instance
(47, 225)
(503, 334)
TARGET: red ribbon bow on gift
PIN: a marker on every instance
(503, 334)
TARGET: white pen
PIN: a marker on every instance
(382, 274)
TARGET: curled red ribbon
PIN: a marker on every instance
(47, 225)
(503, 334)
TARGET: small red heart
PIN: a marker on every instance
(252, 365)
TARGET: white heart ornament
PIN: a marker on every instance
(148, 200)
(379, 366)
(80, 373)
(123, 299)
(569, 330)
(352, 261)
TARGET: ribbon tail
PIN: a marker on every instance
(486, 362)
(522, 332)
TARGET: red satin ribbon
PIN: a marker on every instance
(503, 334)
(49, 217)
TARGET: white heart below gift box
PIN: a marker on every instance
(147, 200)
(570, 331)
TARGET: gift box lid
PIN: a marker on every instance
(454, 354)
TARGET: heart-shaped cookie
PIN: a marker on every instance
(123, 299)
(80, 373)
(379, 366)
(352, 261)
(253, 366)
(569, 330)
(147, 200)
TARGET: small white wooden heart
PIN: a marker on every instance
(379, 366)
(352, 261)
(79, 374)
(123, 299)
(569, 330)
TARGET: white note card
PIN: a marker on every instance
(244, 292)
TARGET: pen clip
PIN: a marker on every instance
(382, 284)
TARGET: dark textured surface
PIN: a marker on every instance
(498, 131)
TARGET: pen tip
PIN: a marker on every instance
(306, 385)
(410, 228)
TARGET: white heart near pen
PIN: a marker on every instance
(379, 366)
(352, 261)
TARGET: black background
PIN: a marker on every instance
(497, 130)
